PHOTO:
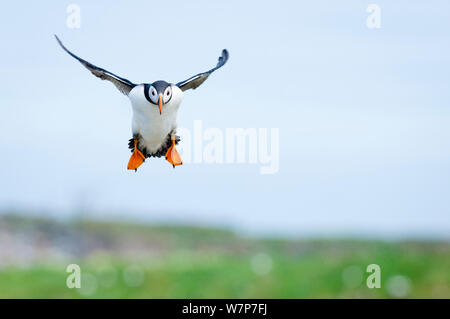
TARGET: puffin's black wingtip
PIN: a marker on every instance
(224, 58)
(225, 54)
(65, 49)
(59, 41)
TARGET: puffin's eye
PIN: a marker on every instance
(167, 94)
(153, 94)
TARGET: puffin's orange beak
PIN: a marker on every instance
(160, 102)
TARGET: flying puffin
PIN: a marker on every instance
(155, 107)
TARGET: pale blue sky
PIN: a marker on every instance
(363, 114)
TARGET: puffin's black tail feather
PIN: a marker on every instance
(131, 144)
(162, 150)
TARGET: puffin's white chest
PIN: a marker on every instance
(152, 126)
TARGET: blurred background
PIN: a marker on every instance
(364, 170)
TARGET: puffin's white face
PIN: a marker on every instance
(166, 95)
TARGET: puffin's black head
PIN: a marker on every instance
(158, 93)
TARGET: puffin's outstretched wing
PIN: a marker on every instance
(122, 84)
(196, 80)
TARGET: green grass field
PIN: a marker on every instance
(120, 260)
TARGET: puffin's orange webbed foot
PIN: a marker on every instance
(172, 155)
(136, 159)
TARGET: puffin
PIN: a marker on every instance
(155, 107)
